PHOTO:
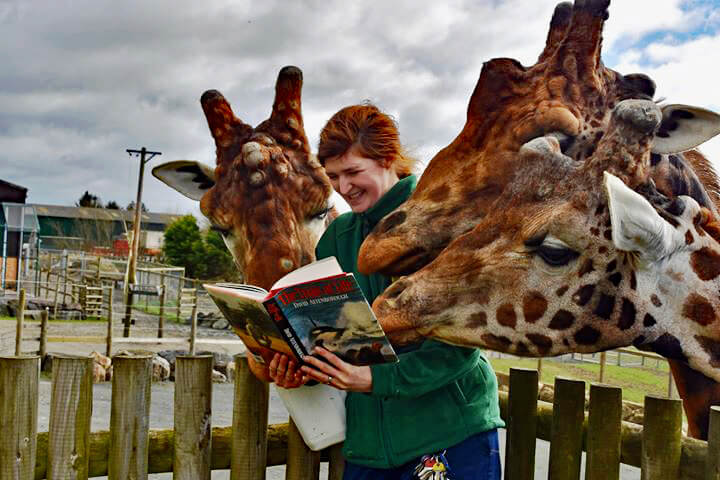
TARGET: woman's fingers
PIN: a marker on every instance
(336, 361)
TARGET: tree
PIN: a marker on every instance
(131, 206)
(87, 199)
(112, 205)
(203, 256)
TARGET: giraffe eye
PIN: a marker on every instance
(322, 214)
(556, 256)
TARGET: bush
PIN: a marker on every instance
(203, 255)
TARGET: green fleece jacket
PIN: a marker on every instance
(436, 396)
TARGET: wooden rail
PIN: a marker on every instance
(191, 449)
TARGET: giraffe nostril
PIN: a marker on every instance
(395, 290)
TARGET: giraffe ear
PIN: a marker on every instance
(188, 177)
(636, 225)
(683, 128)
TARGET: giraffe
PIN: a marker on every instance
(564, 218)
(268, 195)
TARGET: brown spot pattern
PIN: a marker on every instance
(561, 291)
(506, 315)
(633, 280)
(611, 266)
(689, 238)
(542, 342)
(712, 347)
(495, 342)
(627, 314)
(706, 263)
(698, 309)
(649, 320)
(522, 349)
(583, 295)
(534, 306)
(586, 268)
(562, 320)
(440, 193)
(655, 300)
(476, 320)
(587, 336)
(605, 306)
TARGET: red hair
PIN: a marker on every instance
(369, 133)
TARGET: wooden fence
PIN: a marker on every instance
(28, 332)
(192, 448)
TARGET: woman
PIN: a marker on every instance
(438, 399)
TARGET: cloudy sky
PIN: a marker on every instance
(82, 81)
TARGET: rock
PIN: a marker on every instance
(160, 369)
(4, 309)
(230, 371)
(220, 360)
(98, 373)
(101, 360)
(221, 324)
(218, 377)
(109, 374)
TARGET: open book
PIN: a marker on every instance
(315, 305)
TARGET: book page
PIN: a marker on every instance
(327, 267)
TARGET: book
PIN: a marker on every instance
(315, 305)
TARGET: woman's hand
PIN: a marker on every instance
(338, 373)
(285, 373)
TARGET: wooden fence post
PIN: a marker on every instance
(70, 415)
(193, 321)
(521, 425)
(47, 278)
(20, 317)
(129, 417)
(97, 273)
(567, 429)
(43, 333)
(19, 379)
(712, 467)
(662, 439)
(302, 463)
(337, 462)
(65, 278)
(603, 433)
(57, 293)
(603, 361)
(161, 313)
(248, 457)
(181, 283)
(109, 339)
(193, 417)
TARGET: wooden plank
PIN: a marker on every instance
(712, 470)
(193, 418)
(567, 429)
(19, 379)
(20, 319)
(662, 439)
(70, 415)
(302, 463)
(521, 425)
(249, 429)
(129, 417)
(603, 435)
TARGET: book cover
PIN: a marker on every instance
(332, 313)
(316, 305)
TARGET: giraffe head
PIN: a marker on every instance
(268, 195)
(539, 230)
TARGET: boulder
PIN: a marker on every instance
(101, 360)
(220, 324)
(160, 369)
(230, 371)
(218, 377)
(99, 373)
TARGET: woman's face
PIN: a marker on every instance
(360, 181)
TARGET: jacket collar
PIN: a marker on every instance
(392, 199)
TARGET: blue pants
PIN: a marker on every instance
(475, 458)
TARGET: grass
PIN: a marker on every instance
(635, 381)
(28, 320)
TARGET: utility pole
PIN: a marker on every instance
(145, 156)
